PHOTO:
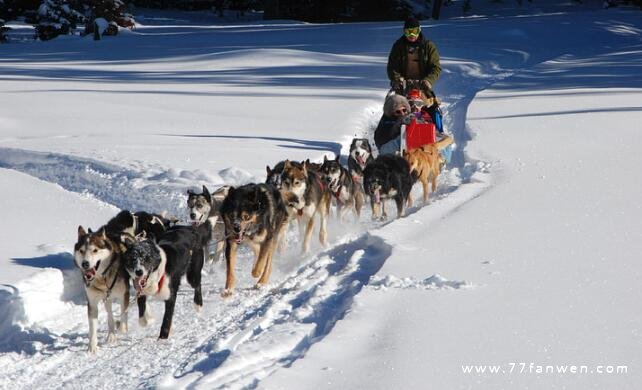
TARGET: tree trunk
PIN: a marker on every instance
(436, 9)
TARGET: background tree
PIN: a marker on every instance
(56, 17)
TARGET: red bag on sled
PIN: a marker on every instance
(419, 134)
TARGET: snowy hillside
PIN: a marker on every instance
(527, 257)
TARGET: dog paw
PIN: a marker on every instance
(226, 293)
(145, 321)
(198, 308)
(111, 338)
(256, 273)
(93, 348)
(122, 327)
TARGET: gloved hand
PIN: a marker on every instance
(425, 84)
(397, 85)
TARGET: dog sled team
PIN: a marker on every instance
(154, 252)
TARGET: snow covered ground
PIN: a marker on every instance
(527, 257)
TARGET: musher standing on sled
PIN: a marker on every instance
(413, 60)
(413, 57)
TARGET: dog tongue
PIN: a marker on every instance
(361, 160)
(90, 274)
(139, 284)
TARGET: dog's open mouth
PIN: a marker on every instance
(361, 161)
(198, 222)
(90, 274)
(140, 283)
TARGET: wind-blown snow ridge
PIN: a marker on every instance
(121, 187)
(434, 282)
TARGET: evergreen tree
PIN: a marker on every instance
(56, 17)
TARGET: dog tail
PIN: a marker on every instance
(444, 142)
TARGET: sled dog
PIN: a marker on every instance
(254, 214)
(156, 269)
(345, 191)
(274, 174)
(205, 206)
(424, 165)
(305, 197)
(388, 177)
(360, 156)
(98, 256)
(138, 222)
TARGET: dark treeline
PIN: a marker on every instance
(55, 17)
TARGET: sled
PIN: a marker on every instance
(415, 135)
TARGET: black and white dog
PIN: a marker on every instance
(360, 156)
(205, 207)
(135, 223)
(345, 191)
(274, 174)
(98, 256)
(156, 269)
(388, 177)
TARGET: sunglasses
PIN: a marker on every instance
(412, 32)
(416, 102)
(401, 111)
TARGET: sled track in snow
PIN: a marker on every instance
(120, 187)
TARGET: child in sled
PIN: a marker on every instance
(426, 109)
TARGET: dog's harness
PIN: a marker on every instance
(113, 282)
(160, 283)
(319, 181)
(337, 193)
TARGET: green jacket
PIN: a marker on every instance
(428, 64)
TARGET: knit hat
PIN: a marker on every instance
(411, 22)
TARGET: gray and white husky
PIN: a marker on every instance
(346, 192)
(205, 206)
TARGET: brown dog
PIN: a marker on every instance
(424, 165)
(254, 214)
(305, 197)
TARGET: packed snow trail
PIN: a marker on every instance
(274, 325)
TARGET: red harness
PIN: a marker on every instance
(160, 283)
(319, 181)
